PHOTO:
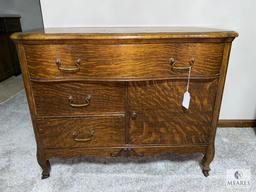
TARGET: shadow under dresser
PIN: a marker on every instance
(124, 91)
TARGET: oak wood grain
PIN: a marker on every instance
(109, 152)
(162, 127)
(168, 95)
(135, 107)
(209, 155)
(102, 33)
(101, 131)
(123, 61)
(52, 99)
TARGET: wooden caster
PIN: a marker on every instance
(44, 164)
(206, 173)
(45, 175)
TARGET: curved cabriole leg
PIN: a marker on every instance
(44, 164)
(207, 159)
(46, 171)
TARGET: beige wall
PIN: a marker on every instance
(240, 92)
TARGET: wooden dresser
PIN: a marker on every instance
(120, 91)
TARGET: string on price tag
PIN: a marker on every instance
(186, 96)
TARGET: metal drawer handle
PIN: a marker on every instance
(70, 69)
(173, 62)
(89, 138)
(72, 104)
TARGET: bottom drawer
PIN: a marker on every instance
(82, 132)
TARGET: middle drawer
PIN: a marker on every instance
(76, 98)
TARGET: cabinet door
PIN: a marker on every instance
(156, 115)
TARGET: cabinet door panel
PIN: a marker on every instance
(168, 95)
(159, 127)
(157, 115)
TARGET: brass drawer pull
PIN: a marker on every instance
(72, 104)
(89, 138)
(173, 62)
(70, 69)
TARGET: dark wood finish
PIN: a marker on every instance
(9, 63)
(135, 99)
(237, 123)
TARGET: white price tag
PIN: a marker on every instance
(186, 96)
(186, 100)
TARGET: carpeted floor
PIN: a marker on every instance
(10, 87)
(19, 172)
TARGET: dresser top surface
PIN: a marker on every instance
(123, 33)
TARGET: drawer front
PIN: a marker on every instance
(160, 127)
(82, 61)
(73, 98)
(82, 132)
(167, 95)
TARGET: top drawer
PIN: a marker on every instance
(125, 61)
